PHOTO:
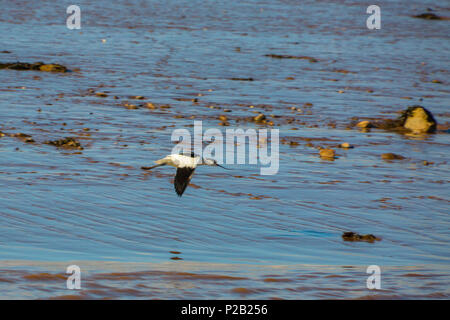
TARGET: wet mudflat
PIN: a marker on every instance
(72, 144)
(188, 280)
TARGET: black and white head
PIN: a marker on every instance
(212, 162)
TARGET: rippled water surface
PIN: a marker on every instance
(233, 234)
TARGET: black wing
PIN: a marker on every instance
(182, 179)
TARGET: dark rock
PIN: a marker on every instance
(418, 120)
(260, 118)
(389, 124)
(285, 56)
(22, 136)
(150, 105)
(352, 236)
(37, 66)
(345, 145)
(242, 79)
(415, 119)
(52, 68)
(327, 154)
(364, 124)
(67, 143)
(428, 16)
(391, 156)
(130, 106)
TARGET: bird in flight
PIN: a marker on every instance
(185, 164)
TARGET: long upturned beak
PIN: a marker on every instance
(222, 167)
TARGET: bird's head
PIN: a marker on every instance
(212, 162)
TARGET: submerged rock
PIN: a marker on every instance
(353, 236)
(428, 16)
(149, 105)
(345, 145)
(130, 106)
(364, 124)
(418, 120)
(37, 66)
(389, 125)
(242, 79)
(391, 156)
(327, 154)
(52, 68)
(285, 56)
(22, 136)
(415, 119)
(68, 143)
(260, 118)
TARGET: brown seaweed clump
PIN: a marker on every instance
(22, 136)
(37, 66)
(353, 236)
(67, 143)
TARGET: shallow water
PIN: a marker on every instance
(98, 209)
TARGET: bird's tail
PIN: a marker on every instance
(159, 163)
(150, 168)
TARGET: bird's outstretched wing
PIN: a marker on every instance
(182, 179)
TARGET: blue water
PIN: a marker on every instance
(97, 204)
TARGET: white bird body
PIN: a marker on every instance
(179, 161)
(185, 165)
